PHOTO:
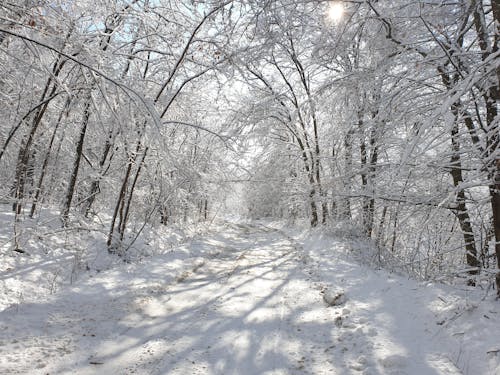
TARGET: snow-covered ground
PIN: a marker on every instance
(55, 257)
(248, 299)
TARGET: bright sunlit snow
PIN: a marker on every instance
(243, 299)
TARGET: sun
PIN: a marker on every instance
(335, 11)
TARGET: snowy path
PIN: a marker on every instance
(250, 305)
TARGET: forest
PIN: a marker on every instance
(368, 119)
(385, 116)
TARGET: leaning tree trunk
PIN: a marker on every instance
(124, 219)
(25, 149)
(456, 170)
(39, 187)
(118, 206)
(118, 212)
(461, 208)
(76, 165)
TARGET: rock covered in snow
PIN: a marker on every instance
(334, 297)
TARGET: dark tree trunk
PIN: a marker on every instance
(123, 224)
(95, 185)
(118, 212)
(25, 149)
(314, 208)
(491, 98)
(345, 212)
(461, 210)
(39, 187)
(76, 165)
(368, 201)
(164, 215)
(121, 197)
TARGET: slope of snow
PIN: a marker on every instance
(249, 300)
(422, 328)
(54, 257)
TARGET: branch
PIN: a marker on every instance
(221, 137)
(187, 46)
(389, 32)
(123, 87)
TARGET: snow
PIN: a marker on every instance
(245, 299)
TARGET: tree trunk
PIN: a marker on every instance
(314, 208)
(95, 185)
(39, 187)
(123, 224)
(461, 209)
(25, 149)
(74, 174)
(491, 98)
(120, 203)
(368, 202)
(345, 211)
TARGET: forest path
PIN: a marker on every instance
(236, 312)
(251, 305)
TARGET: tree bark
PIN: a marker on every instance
(76, 165)
(123, 224)
(25, 149)
(95, 185)
(39, 188)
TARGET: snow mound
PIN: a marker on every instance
(334, 297)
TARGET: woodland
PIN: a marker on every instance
(375, 117)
